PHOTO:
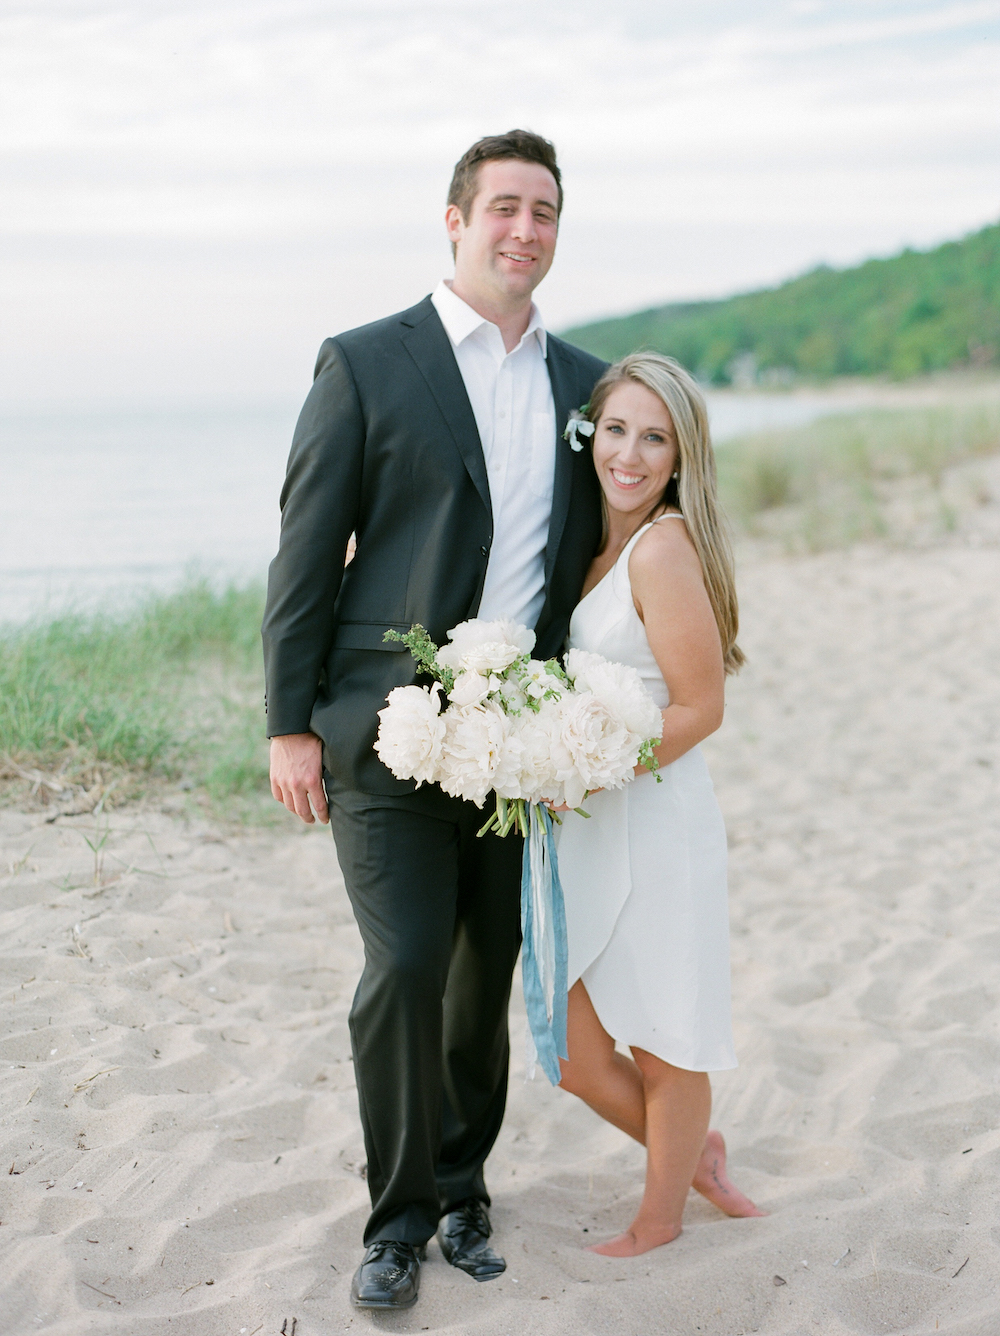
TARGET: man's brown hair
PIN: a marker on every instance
(521, 144)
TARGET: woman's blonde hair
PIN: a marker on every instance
(694, 491)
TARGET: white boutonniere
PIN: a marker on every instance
(577, 426)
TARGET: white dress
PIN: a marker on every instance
(644, 879)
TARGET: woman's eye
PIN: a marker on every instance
(616, 429)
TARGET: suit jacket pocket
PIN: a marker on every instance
(368, 635)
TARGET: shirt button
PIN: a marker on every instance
(485, 550)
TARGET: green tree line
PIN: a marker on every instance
(915, 312)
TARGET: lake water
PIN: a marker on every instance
(98, 508)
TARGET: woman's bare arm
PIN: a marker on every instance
(668, 589)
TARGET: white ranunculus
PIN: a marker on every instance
(479, 752)
(620, 689)
(603, 750)
(486, 647)
(411, 733)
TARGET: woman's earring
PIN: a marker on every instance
(676, 474)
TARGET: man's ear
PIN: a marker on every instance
(454, 223)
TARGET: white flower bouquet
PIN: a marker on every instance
(530, 732)
(535, 734)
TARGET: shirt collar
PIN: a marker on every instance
(460, 320)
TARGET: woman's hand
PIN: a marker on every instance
(565, 807)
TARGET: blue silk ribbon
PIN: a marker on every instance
(544, 952)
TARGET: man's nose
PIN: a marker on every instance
(524, 225)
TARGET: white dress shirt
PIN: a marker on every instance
(511, 398)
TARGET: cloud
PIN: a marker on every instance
(155, 139)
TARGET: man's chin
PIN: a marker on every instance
(519, 282)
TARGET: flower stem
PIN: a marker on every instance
(488, 826)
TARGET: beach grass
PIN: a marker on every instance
(170, 691)
(168, 695)
(838, 480)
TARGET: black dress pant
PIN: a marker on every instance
(439, 913)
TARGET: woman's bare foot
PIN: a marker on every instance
(635, 1241)
(712, 1181)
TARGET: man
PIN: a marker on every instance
(435, 436)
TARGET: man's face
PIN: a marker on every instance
(506, 247)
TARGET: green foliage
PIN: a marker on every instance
(916, 312)
(175, 687)
(827, 484)
(418, 641)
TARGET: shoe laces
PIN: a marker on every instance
(403, 1254)
(472, 1214)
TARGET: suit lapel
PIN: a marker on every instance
(560, 375)
(429, 346)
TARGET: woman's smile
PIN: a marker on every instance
(627, 479)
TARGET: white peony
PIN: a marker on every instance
(479, 753)
(411, 733)
(601, 747)
(486, 647)
(546, 764)
(620, 689)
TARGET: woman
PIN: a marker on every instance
(645, 877)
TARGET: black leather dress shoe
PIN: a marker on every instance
(462, 1235)
(389, 1276)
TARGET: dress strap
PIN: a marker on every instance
(626, 551)
(621, 564)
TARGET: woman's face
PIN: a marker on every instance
(635, 448)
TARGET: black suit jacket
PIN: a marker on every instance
(387, 447)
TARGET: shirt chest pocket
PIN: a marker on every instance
(541, 471)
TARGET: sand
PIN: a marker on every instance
(180, 1145)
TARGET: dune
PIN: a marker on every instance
(181, 1151)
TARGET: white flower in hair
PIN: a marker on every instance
(485, 647)
(411, 733)
(578, 425)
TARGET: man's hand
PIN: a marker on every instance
(297, 775)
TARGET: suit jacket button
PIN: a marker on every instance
(485, 550)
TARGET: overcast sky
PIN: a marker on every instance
(193, 193)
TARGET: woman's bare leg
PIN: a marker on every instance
(605, 1079)
(678, 1104)
(613, 1086)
